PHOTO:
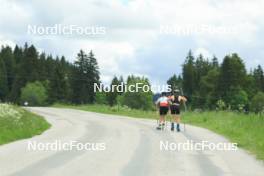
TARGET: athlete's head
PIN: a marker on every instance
(163, 94)
(176, 92)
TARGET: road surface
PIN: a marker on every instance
(132, 148)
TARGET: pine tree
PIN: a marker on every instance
(8, 59)
(112, 95)
(85, 75)
(42, 69)
(175, 82)
(18, 54)
(3, 81)
(259, 78)
(189, 75)
(208, 86)
(215, 62)
(30, 63)
(79, 80)
(59, 86)
(202, 67)
(232, 77)
(49, 67)
(27, 71)
(93, 74)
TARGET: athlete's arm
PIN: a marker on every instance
(157, 102)
(182, 98)
(170, 98)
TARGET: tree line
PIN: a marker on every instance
(26, 75)
(40, 79)
(209, 84)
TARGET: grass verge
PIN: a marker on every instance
(17, 123)
(246, 130)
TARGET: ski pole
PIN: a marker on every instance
(185, 110)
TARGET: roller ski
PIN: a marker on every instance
(161, 127)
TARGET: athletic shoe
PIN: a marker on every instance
(159, 127)
(172, 126)
(163, 126)
(178, 128)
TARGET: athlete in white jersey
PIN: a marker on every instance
(163, 105)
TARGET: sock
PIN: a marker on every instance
(178, 126)
(172, 125)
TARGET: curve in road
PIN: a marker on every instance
(132, 148)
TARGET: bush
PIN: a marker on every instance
(239, 100)
(139, 99)
(120, 100)
(118, 108)
(100, 98)
(34, 94)
(220, 105)
(257, 104)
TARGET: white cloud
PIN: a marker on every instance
(204, 52)
(109, 55)
(132, 30)
(6, 42)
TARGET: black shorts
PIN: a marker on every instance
(163, 110)
(175, 110)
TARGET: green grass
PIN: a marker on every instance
(17, 123)
(246, 130)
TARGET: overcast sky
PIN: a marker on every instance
(150, 37)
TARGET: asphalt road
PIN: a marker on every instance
(120, 146)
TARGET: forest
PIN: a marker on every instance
(41, 79)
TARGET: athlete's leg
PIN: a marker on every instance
(177, 118)
(178, 121)
(162, 119)
(173, 121)
(173, 112)
(161, 122)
